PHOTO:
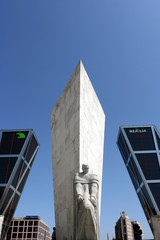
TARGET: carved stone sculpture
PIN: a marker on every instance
(86, 187)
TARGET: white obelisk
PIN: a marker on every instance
(77, 129)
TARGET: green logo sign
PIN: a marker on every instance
(21, 135)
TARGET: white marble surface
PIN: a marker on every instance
(77, 129)
(1, 223)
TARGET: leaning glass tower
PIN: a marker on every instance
(18, 149)
(140, 149)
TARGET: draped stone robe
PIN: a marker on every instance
(86, 206)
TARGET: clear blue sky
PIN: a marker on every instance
(41, 42)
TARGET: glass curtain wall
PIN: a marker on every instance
(18, 149)
(140, 149)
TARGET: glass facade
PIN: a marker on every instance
(140, 149)
(18, 149)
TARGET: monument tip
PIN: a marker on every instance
(80, 64)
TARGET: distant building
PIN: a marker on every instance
(137, 230)
(30, 227)
(124, 229)
(140, 149)
(18, 149)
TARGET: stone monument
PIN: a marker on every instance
(1, 224)
(77, 129)
(86, 205)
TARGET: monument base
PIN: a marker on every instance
(156, 227)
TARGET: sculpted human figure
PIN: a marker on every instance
(86, 193)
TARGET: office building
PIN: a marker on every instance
(30, 227)
(124, 228)
(18, 149)
(140, 149)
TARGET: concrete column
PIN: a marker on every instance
(77, 129)
(156, 226)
